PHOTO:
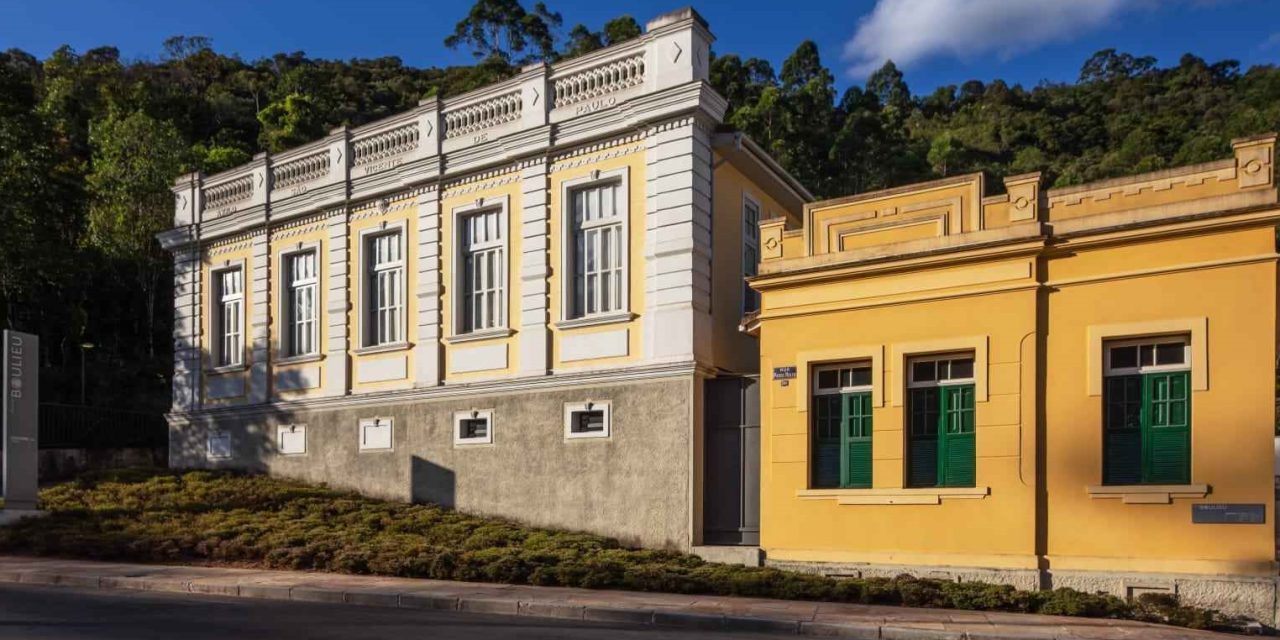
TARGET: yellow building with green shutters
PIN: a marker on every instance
(1046, 387)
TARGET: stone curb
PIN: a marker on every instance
(513, 606)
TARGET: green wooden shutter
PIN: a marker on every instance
(1166, 428)
(922, 441)
(826, 441)
(855, 463)
(1122, 430)
(957, 455)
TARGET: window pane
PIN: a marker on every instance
(924, 411)
(922, 371)
(587, 421)
(961, 369)
(1146, 355)
(829, 379)
(860, 377)
(1170, 353)
(1124, 357)
(475, 428)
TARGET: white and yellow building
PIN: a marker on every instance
(1046, 387)
(511, 301)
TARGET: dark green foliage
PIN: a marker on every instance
(243, 520)
(1124, 116)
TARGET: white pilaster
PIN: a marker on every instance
(677, 322)
(535, 217)
(428, 349)
(186, 328)
(336, 305)
(259, 325)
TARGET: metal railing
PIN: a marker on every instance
(66, 426)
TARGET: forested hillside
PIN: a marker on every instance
(90, 142)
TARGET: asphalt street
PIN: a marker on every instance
(66, 613)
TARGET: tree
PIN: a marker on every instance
(502, 29)
(135, 160)
(944, 150)
(621, 29)
(888, 85)
(290, 122)
(582, 41)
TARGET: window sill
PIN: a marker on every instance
(593, 435)
(592, 321)
(1148, 493)
(471, 444)
(288, 360)
(929, 495)
(382, 348)
(230, 368)
(476, 336)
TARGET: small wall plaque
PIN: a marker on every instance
(784, 373)
(1228, 514)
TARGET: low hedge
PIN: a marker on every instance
(225, 518)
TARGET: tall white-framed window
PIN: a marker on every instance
(228, 320)
(482, 270)
(596, 247)
(384, 292)
(750, 251)
(301, 297)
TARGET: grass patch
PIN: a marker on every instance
(225, 518)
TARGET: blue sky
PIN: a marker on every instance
(936, 41)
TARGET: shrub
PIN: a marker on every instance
(213, 517)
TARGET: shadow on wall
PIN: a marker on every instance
(430, 482)
(243, 442)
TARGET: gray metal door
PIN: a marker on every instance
(731, 497)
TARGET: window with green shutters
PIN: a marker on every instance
(1147, 412)
(841, 435)
(941, 436)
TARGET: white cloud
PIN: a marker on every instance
(908, 31)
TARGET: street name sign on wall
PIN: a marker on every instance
(1228, 514)
(21, 425)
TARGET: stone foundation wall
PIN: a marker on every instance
(634, 485)
(1254, 597)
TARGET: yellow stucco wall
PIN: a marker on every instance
(1189, 252)
(366, 219)
(228, 253)
(733, 350)
(306, 234)
(1231, 448)
(464, 197)
(795, 526)
(628, 156)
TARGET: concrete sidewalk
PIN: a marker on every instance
(696, 612)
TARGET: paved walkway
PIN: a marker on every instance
(689, 612)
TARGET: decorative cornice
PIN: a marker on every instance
(590, 158)
(236, 244)
(596, 146)
(463, 188)
(293, 229)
